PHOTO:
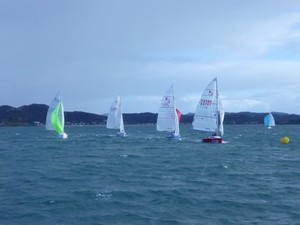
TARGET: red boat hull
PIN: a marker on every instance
(213, 140)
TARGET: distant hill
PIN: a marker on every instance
(257, 118)
(36, 114)
(24, 115)
(84, 118)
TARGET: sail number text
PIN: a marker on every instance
(205, 102)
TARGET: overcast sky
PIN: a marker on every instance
(93, 50)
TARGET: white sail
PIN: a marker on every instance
(221, 117)
(269, 120)
(167, 119)
(209, 115)
(55, 119)
(115, 116)
(176, 132)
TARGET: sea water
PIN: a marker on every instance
(94, 177)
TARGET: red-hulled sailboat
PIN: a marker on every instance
(209, 115)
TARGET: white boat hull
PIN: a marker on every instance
(121, 134)
(63, 136)
(172, 136)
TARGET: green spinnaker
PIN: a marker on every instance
(58, 127)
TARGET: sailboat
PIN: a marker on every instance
(55, 120)
(269, 121)
(209, 115)
(115, 117)
(168, 116)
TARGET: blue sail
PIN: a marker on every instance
(269, 120)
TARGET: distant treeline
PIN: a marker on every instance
(35, 114)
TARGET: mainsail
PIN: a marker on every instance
(206, 115)
(209, 115)
(168, 115)
(115, 116)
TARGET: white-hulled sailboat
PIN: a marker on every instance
(269, 121)
(115, 117)
(209, 115)
(55, 120)
(168, 117)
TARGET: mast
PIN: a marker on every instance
(122, 130)
(176, 130)
(217, 106)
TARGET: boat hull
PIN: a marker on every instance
(172, 136)
(212, 140)
(177, 137)
(121, 134)
(63, 136)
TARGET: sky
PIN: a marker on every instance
(93, 50)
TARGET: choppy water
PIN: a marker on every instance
(95, 178)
